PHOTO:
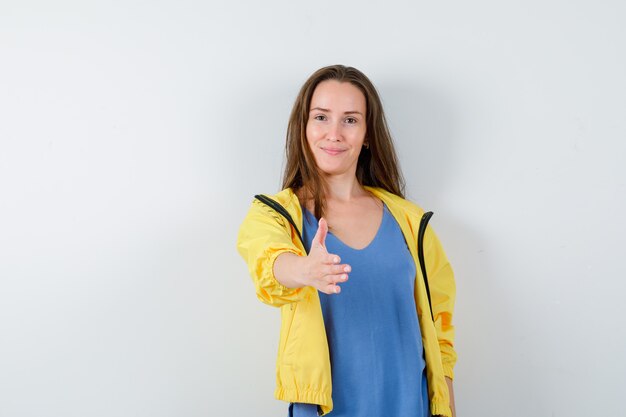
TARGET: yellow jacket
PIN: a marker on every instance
(303, 371)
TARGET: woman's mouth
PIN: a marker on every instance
(333, 151)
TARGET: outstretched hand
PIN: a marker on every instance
(322, 269)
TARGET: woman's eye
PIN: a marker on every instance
(320, 117)
(351, 120)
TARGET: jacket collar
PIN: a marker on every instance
(406, 213)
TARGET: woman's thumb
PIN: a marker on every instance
(322, 231)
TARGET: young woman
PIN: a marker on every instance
(336, 250)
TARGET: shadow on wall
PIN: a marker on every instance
(422, 123)
(259, 128)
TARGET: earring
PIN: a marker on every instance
(366, 145)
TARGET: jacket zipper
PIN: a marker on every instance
(280, 209)
(420, 247)
(420, 254)
(420, 238)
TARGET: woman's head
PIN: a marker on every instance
(365, 137)
(336, 127)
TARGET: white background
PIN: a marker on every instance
(133, 136)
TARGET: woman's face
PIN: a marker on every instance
(336, 127)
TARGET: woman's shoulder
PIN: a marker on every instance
(391, 199)
(286, 198)
(264, 215)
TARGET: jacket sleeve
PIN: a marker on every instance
(442, 293)
(263, 235)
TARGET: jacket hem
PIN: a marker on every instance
(311, 396)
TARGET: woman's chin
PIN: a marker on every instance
(335, 172)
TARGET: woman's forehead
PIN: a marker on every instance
(332, 95)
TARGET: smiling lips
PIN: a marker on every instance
(333, 151)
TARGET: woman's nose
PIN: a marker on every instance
(334, 132)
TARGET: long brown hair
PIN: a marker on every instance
(377, 165)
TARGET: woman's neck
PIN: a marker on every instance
(343, 189)
(338, 189)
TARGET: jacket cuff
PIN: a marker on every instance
(448, 371)
(269, 290)
(440, 409)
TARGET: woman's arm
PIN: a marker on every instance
(264, 236)
(451, 391)
(443, 293)
(279, 268)
(319, 269)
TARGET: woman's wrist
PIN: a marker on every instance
(288, 268)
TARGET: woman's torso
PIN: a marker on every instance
(372, 327)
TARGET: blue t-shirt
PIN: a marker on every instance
(374, 338)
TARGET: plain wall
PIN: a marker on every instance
(133, 136)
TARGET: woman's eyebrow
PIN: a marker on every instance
(345, 112)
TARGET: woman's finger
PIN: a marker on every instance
(331, 258)
(320, 235)
(338, 269)
(331, 289)
(335, 278)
